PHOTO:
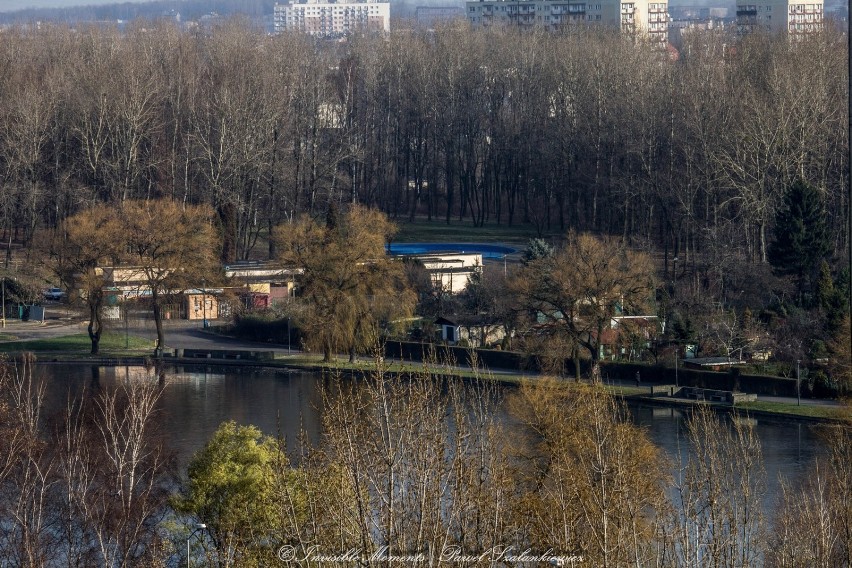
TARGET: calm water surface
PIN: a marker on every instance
(197, 399)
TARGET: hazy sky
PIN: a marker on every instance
(12, 5)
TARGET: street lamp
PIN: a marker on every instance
(677, 354)
(198, 527)
(204, 301)
(798, 390)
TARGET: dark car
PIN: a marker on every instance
(54, 294)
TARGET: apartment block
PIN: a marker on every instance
(780, 16)
(646, 19)
(332, 19)
(429, 16)
(640, 17)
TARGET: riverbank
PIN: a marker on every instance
(812, 411)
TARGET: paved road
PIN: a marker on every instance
(184, 334)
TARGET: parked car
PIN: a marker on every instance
(54, 294)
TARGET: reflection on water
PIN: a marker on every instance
(788, 447)
(199, 398)
(280, 403)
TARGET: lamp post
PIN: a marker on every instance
(198, 527)
(798, 390)
(677, 354)
(204, 302)
(126, 324)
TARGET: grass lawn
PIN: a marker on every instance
(437, 231)
(79, 343)
(808, 410)
(367, 365)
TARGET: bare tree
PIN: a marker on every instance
(718, 514)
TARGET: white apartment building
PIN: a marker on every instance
(646, 19)
(640, 17)
(332, 19)
(775, 16)
(548, 14)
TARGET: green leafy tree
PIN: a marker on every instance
(349, 287)
(801, 236)
(232, 489)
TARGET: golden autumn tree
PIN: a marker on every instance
(87, 241)
(349, 287)
(582, 285)
(588, 481)
(171, 245)
(168, 245)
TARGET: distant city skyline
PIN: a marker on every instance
(14, 5)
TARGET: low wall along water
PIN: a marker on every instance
(731, 380)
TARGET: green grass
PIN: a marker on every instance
(111, 343)
(367, 365)
(807, 410)
(438, 231)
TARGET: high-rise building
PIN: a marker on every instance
(332, 19)
(776, 16)
(428, 16)
(638, 17)
(646, 19)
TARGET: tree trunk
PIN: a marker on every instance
(158, 323)
(95, 327)
(575, 355)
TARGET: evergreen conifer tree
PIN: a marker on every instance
(801, 236)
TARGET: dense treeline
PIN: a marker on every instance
(585, 131)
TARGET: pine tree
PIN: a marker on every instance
(801, 236)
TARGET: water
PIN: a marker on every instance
(197, 399)
(490, 252)
(788, 447)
